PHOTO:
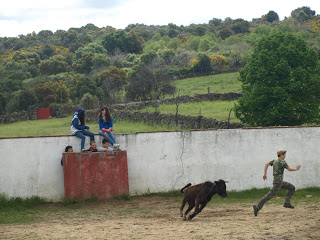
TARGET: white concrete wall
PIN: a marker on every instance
(164, 161)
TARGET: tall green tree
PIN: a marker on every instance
(54, 65)
(150, 81)
(303, 13)
(281, 82)
(203, 65)
(112, 81)
(125, 42)
(271, 16)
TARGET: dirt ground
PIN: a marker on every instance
(158, 218)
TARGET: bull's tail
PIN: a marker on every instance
(188, 185)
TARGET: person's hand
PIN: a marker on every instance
(86, 127)
(298, 167)
(264, 177)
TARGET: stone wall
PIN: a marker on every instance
(188, 122)
(182, 99)
(30, 114)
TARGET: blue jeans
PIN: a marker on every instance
(109, 136)
(81, 134)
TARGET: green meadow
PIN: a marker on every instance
(218, 110)
(220, 83)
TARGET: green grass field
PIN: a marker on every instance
(61, 126)
(218, 110)
(220, 83)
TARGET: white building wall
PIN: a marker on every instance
(163, 161)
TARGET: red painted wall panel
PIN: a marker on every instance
(99, 175)
(43, 113)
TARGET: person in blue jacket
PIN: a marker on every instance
(106, 126)
(78, 127)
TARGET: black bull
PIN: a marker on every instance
(200, 194)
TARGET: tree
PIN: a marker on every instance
(45, 35)
(2, 103)
(148, 57)
(281, 83)
(62, 91)
(26, 98)
(218, 61)
(125, 42)
(80, 84)
(100, 61)
(272, 16)
(46, 94)
(89, 101)
(203, 65)
(91, 47)
(215, 21)
(54, 65)
(46, 52)
(150, 81)
(69, 37)
(240, 26)
(224, 33)
(112, 81)
(303, 13)
(84, 64)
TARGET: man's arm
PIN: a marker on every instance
(294, 169)
(101, 149)
(265, 170)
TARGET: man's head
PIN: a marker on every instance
(105, 143)
(93, 145)
(281, 153)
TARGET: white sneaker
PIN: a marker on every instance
(116, 146)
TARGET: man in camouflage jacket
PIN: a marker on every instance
(278, 168)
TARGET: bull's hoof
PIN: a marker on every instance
(184, 219)
(189, 218)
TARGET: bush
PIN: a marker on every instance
(89, 101)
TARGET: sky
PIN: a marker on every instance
(25, 16)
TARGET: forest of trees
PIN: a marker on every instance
(91, 65)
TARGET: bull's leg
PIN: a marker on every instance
(197, 210)
(191, 205)
(184, 201)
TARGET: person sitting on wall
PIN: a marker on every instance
(106, 126)
(78, 127)
(105, 146)
(68, 149)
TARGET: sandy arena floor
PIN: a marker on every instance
(158, 218)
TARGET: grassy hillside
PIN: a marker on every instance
(218, 109)
(220, 83)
